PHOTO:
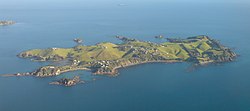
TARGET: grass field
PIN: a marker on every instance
(110, 51)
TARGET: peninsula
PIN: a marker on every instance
(106, 58)
(4, 23)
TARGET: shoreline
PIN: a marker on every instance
(115, 69)
(31, 73)
(114, 72)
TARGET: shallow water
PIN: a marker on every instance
(146, 87)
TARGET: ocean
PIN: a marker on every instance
(147, 87)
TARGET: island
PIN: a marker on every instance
(68, 82)
(106, 58)
(6, 22)
(159, 37)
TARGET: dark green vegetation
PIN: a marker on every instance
(106, 58)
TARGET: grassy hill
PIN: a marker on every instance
(180, 48)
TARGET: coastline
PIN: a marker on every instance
(115, 69)
(113, 73)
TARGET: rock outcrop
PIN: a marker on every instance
(47, 71)
(68, 82)
(2, 23)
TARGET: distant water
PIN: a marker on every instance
(148, 87)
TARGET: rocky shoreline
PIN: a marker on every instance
(114, 72)
(4, 23)
(68, 82)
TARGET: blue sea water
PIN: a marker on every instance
(147, 87)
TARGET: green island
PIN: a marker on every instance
(6, 22)
(106, 58)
